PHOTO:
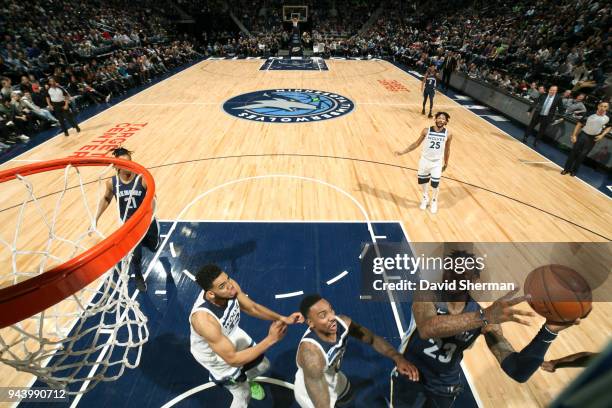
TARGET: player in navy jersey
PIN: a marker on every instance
(428, 88)
(447, 323)
(130, 190)
(319, 383)
(231, 357)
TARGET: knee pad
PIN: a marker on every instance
(423, 179)
(435, 183)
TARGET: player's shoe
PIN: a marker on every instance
(430, 115)
(424, 202)
(257, 391)
(423, 111)
(434, 206)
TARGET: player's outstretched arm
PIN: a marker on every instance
(208, 327)
(310, 359)
(520, 366)
(254, 309)
(430, 325)
(414, 145)
(581, 359)
(105, 200)
(383, 347)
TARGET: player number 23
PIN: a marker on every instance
(434, 145)
(443, 352)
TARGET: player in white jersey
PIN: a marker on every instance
(229, 354)
(434, 158)
(319, 383)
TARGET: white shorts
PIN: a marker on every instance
(430, 169)
(218, 369)
(341, 386)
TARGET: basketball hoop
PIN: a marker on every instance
(54, 324)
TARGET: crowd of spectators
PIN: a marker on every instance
(108, 47)
(510, 45)
(93, 52)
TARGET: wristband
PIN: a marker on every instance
(483, 318)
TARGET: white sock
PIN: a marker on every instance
(434, 193)
(425, 188)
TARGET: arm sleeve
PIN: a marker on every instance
(520, 366)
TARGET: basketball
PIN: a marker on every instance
(558, 293)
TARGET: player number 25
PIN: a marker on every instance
(434, 145)
(441, 352)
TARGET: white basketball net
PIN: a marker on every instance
(95, 333)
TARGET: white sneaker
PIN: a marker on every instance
(23, 137)
(424, 202)
(434, 206)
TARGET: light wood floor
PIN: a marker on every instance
(487, 194)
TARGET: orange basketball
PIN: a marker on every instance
(558, 293)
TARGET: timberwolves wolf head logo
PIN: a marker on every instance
(288, 106)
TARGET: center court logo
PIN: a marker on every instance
(288, 106)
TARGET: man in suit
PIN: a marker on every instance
(450, 65)
(543, 112)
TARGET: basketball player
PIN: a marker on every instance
(229, 354)
(319, 383)
(129, 191)
(434, 158)
(447, 323)
(428, 87)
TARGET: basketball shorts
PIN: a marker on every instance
(409, 394)
(337, 390)
(430, 169)
(221, 372)
(429, 93)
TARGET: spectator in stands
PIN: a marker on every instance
(30, 107)
(533, 93)
(575, 108)
(543, 113)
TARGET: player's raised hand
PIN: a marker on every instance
(407, 369)
(549, 366)
(277, 331)
(502, 309)
(293, 318)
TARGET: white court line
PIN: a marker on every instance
(189, 275)
(381, 237)
(287, 295)
(535, 162)
(208, 385)
(172, 251)
(281, 221)
(337, 277)
(365, 248)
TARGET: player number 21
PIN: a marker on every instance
(434, 145)
(439, 351)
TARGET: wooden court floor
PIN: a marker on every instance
(489, 193)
